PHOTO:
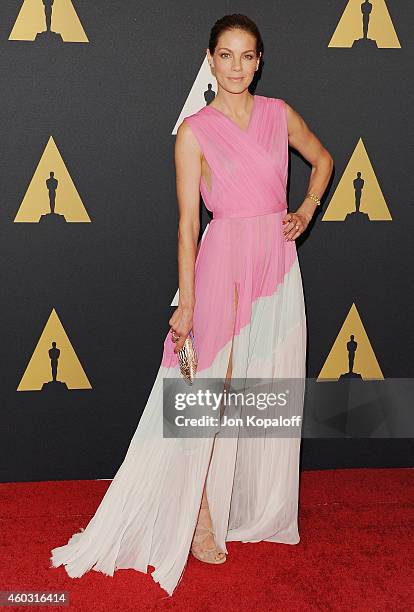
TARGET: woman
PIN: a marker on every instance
(241, 294)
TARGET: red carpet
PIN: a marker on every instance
(356, 551)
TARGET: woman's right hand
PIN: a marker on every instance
(181, 324)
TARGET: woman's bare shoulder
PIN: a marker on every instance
(186, 141)
(294, 120)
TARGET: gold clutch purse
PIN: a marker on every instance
(188, 360)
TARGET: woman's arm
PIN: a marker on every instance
(188, 157)
(304, 140)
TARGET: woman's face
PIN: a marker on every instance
(234, 60)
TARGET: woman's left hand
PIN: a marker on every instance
(295, 224)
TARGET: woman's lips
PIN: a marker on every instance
(235, 78)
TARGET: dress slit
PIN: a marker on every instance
(227, 376)
(219, 445)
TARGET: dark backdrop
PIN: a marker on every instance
(110, 106)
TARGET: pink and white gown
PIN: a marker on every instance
(149, 512)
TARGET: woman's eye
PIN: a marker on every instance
(227, 54)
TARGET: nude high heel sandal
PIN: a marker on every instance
(209, 555)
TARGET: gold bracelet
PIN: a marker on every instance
(314, 198)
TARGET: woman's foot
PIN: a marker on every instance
(203, 546)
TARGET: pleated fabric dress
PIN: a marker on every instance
(149, 512)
